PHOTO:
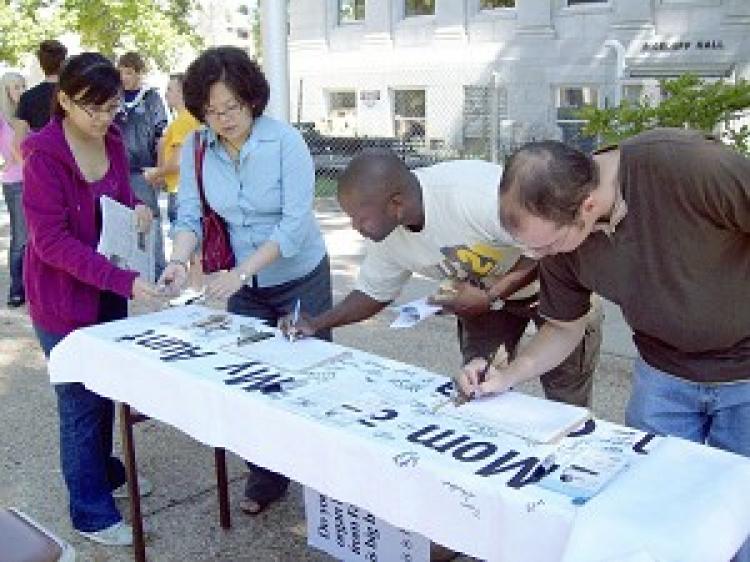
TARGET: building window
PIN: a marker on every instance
(569, 99)
(409, 114)
(342, 101)
(342, 112)
(482, 106)
(351, 11)
(492, 4)
(633, 93)
(584, 2)
(419, 8)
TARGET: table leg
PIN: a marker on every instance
(136, 518)
(222, 484)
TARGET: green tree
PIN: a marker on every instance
(158, 29)
(689, 102)
(23, 25)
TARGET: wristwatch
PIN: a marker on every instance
(494, 303)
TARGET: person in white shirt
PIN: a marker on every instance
(442, 222)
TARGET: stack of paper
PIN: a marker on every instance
(535, 419)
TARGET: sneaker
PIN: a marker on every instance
(119, 534)
(14, 301)
(145, 487)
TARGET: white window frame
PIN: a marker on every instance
(589, 89)
(598, 6)
(406, 16)
(639, 84)
(397, 118)
(333, 91)
(354, 21)
(689, 3)
(499, 9)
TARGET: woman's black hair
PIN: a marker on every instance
(233, 67)
(88, 78)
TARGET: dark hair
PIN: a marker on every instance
(178, 77)
(133, 60)
(89, 78)
(51, 55)
(547, 179)
(232, 66)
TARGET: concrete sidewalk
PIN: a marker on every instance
(182, 513)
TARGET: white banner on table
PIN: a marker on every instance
(362, 429)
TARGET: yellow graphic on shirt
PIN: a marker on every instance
(470, 262)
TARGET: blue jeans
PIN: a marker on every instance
(713, 414)
(271, 303)
(89, 469)
(12, 195)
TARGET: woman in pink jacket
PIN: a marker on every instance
(72, 162)
(12, 86)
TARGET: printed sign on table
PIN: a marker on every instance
(351, 534)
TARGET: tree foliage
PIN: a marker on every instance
(158, 29)
(23, 25)
(689, 102)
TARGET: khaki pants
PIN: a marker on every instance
(501, 330)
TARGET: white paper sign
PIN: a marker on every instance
(411, 313)
(121, 242)
(351, 534)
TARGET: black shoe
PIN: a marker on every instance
(14, 301)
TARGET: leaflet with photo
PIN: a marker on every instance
(121, 242)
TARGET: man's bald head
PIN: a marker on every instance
(374, 175)
(373, 190)
(547, 179)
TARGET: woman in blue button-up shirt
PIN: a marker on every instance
(259, 176)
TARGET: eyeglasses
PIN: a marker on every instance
(232, 111)
(550, 247)
(100, 112)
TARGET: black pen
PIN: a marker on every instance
(482, 375)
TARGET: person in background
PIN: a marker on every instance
(35, 103)
(258, 175)
(12, 130)
(142, 120)
(167, 173)
(76, 159)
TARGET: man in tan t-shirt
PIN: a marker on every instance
(441, 222)
(661, 226)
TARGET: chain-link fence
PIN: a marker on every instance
(423, 125)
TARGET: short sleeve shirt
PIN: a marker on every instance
(184, 123)
(35, 105)
(678, 264)
(462, 237)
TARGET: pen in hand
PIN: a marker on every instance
(482, 375)
(295, 319)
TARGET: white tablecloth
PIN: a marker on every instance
(361, 429)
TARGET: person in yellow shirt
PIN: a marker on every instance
(167, 171)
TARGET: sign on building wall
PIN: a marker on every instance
(666, 46)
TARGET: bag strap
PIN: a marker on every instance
(199, 148)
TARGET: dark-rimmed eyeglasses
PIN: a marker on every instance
(232, 111)
(106, 112)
